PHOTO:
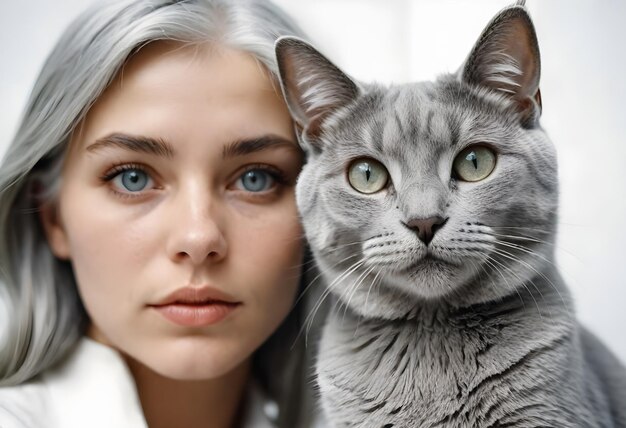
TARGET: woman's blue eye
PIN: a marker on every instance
(256, 180)
(132, 180)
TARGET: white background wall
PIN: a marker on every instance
(583, 89)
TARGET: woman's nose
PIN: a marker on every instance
(197, 229)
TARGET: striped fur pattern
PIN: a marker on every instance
(476, 328)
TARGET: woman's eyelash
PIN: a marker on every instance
(276, 173)
(115, 170)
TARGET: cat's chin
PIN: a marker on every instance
(397, 293)
(430, 278)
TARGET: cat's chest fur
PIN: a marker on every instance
(442, 369)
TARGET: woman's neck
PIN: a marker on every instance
(192, 404)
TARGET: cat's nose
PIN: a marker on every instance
(426, 227)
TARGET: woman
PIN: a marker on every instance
(149, 240)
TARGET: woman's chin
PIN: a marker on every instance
(189, 361)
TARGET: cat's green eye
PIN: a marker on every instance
(367, 175)
(474, 163)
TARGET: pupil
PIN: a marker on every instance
(134, 177)
(254, 181)
(368, 173)
(472, 157)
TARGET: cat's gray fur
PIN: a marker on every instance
(487, 338)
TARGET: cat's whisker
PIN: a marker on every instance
(521, 280)
(355, 287)
(341, 278)
(479, 268)
(547, 232)
(331, 249)
(370, 289)
(475, 268)
(392, 260)
(554, 287)
(310, 265)
(538, 241)
(308, 322)
(519, 238)
(527, 250)
(512, 257)
(494, 263)
(524, 250)
(319, 275)
(350, 291)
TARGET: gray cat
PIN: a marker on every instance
(431, 209)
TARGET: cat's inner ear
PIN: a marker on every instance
(506, 59)
(313, 86)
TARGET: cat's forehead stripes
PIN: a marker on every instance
(389, 123)
(411, 116)
(399, 126)
(376, 135)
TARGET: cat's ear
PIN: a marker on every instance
(312, 85)
(506, 59)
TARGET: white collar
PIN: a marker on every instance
(94, 387)
(94, 384)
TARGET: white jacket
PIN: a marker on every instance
(93, 388)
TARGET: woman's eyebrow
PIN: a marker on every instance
(135, 143)
(252, 145)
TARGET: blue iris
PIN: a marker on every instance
(256, 180)
(134, 180)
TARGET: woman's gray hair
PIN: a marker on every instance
(43, 316)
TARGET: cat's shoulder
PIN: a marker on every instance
(605, 375)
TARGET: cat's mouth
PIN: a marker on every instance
(429, 261)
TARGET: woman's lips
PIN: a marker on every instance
(196, 306)
(196, 315)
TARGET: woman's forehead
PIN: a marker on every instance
(175, 66)
(193, 91)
